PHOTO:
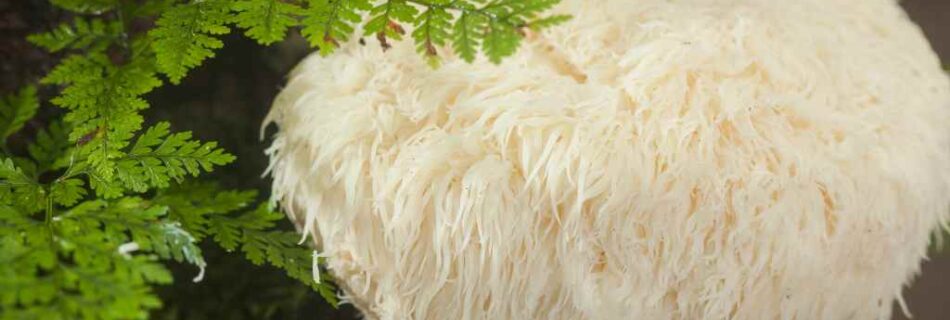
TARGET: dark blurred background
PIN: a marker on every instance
(929, 295)
(226, 100)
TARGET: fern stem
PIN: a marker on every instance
(49, 207)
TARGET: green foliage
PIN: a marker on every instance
(224, 217)
(103, 103)
(386, 18)
(493, 27)
(432, 30)
(94, 34)
(466, 35)
(86, 6)
(73, 266)
(18, 190)
(266, 21)
(49, 148)
(505, 20)
(157, 157)
(94, 208)
(329, 22)
(16, 110)
(186, 35)
(64, 255)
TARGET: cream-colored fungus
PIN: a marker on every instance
(649, 159)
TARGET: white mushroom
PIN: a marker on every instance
(649, 159)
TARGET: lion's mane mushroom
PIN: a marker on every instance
(649, 159)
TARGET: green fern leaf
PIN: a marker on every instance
(68, 192)
(157, 157)
(193, 204)
(86, 6)
(466, 35)
(517, 13)
(149, 9)
(501, 40)
(495, 27)
(185, 35)
(179, 244)
(326, 23)
(280, 249)
(229, 231)
(76, 69)
(50, 147)
(92, 34)
(385, 20)
(547, 22)
(266, 21)
(16, 110)
(77, 268)
(134, 219)
(19, 190)
(103, 103)
(431, 31)
(207, 211)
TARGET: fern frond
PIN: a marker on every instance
(496, 28)
(193, 204)
(68, 192)
(186, 34)
(209, 211)
(519, 12)
(134, 220)
(326, 23)
(18, 189)
(16, 110)
(547, 22)
(103, 103)
(385, 20)
(467, 34)
(86, 6)
(50, 147)
(501, 40)
(265, 21)
(280, 249)
(91, 34)
(76, 69)
(431, 31)
(158, 156)
(81, 264)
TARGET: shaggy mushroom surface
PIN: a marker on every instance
(648, 159)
